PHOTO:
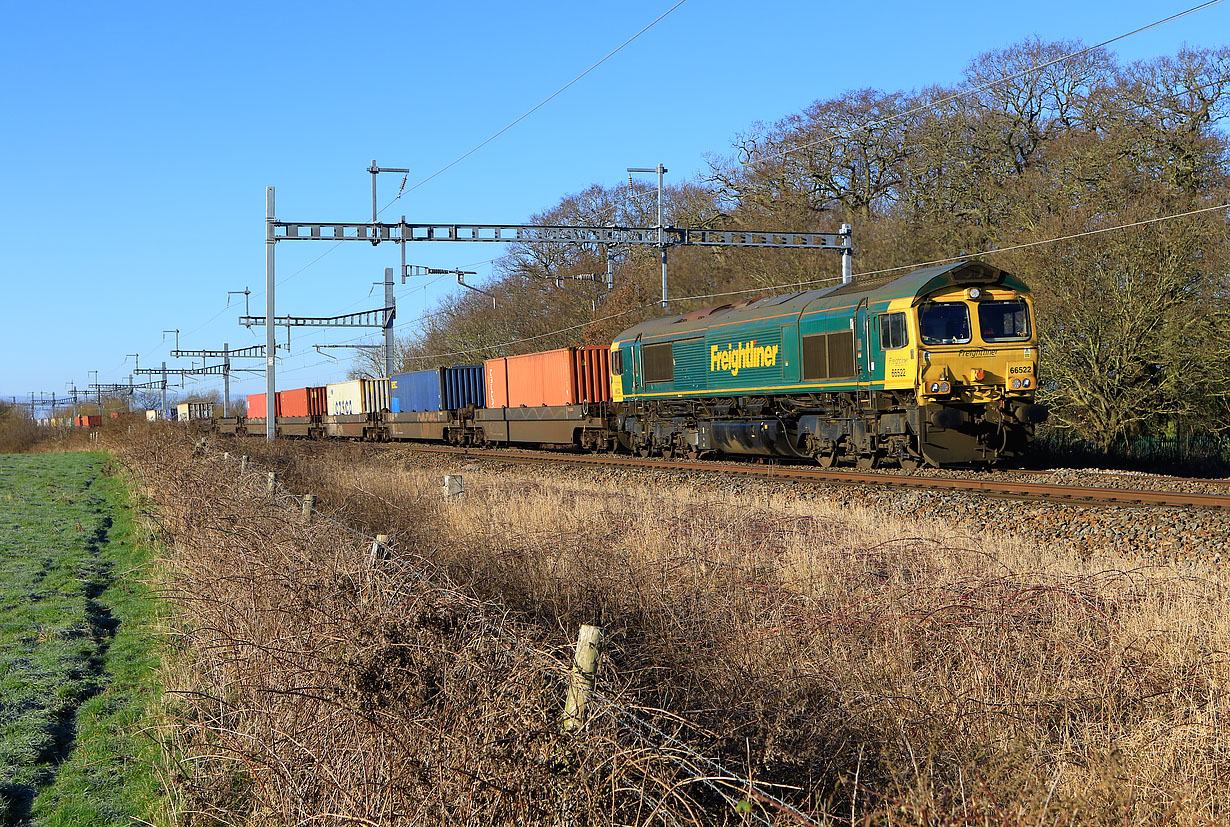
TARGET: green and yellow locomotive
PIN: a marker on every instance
(936, 367)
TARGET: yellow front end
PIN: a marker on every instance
(976, 346)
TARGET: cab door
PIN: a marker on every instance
(863, 356)
(790, 354)
(636, 364)
(864, 349)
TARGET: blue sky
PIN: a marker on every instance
(138, 139)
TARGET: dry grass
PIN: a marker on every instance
(878, 671)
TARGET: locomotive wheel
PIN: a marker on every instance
(827, 459)
(868, 461)
(644, 450)
(910, 464)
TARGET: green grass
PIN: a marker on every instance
(78, 670)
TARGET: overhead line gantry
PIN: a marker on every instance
(402, 232)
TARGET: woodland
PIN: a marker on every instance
(1103, 185)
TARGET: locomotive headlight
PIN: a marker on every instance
(945, 387)
(975, 293)
(1016, 384)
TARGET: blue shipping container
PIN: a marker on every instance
(464, 386)
(441, 389)
(422, 390)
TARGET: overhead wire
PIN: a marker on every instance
(984, 87)
(404, 190)
(536, 107)
(806, 283)
(868, 125)
(774, 287)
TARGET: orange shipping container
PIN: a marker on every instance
(593, 373)
(293, 402)
(257, 409)
(568, 376)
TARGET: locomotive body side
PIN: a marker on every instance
(864, 372)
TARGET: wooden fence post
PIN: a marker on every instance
(271, 483)
(584, 676)
(380, 548)
(309, 505)
(243, 464)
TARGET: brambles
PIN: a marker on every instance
(960, 676)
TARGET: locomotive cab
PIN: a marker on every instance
(977, 372)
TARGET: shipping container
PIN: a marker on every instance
(357, 397)
(200, 410)
(181, 412)
(256, 406)
(171, 415)
(344, 398)
(421, 390)
(568, 376)
(293, 403)
(317, 402)
(375, 395)
(592, 369)
(439, 389)
(301, 402)
(464, 387)
(151, 416)
(92, 421)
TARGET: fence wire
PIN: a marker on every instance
(737, 790)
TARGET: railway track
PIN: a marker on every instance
(1007, 489)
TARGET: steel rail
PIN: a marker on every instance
(1011, 490)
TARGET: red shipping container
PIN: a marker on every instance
(568, 376)
(316, 401)
(256, 406)
(293, 402)
(257, 409)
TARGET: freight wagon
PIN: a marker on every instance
(560, 397)
(352, 409)
(434, 404)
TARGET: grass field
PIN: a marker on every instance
(77, 670)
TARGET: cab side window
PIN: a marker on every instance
(893, 332)
(617, 363)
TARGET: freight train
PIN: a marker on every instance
(935, 367)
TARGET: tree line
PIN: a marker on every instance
(1039, 141)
